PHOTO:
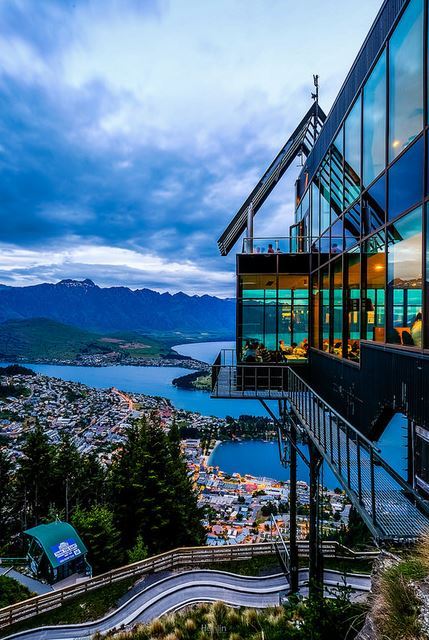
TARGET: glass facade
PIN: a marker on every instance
(406, 79)
(367, 205)
(374, 122)
(273, 326)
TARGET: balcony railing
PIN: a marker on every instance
(235, 379)
(329, 245)
(287, 244)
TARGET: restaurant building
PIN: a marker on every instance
(343, 298)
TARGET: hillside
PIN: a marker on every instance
(91, 308)
(40, 338)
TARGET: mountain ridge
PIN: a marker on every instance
(84, 304)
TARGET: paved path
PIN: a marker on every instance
(34, 585)
(180, 589)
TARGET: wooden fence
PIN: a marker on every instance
(170, 560)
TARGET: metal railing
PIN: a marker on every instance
(177, 558)
(391, 508)
(286, 244)
(329, 245)
(232, 379)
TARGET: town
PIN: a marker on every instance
(239, 509)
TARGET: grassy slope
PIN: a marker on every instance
(91, 606)
(42, 338)
(12, 591)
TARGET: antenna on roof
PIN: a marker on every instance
(315, 97)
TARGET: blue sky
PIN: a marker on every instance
(132, 130)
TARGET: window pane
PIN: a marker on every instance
(337, 293)
(325, 291)
(373, 287)
(316, 310)
(406, 181)
(352, 227)
(405, 280)
(374, 207)
(337, 237)
(406, 79)
(374, 122)
(315, 208)
(352, 131)
(353, 305)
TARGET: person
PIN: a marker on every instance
(263, 353)
(334, 248)
(270, 249)
(416, 330)
(249, 353)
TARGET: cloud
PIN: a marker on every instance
(132, 130)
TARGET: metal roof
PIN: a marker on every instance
(302, 139)
(59, 540)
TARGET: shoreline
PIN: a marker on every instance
(207, 458)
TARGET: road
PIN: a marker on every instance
(180, 589)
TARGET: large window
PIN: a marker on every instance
(374, 122)
(406, 181)
(316, 310)
(273, 317)
(337, 307)
(373, 287)
(352, 261)
(325, 291)
(406, 79)
(405, 280)
(352, 155)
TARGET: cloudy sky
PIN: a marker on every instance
(132, 130)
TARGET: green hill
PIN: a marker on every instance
(40, 338)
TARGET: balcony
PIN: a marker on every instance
(267, 246)
(256, 380)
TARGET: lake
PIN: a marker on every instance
(260, 458)
(256, 458)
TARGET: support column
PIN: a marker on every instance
(315, 542)
(293, 547)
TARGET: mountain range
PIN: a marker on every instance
(87, 306)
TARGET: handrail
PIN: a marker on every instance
(339, 416)
(183, 556)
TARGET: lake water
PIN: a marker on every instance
(256, 458)
(261, 459)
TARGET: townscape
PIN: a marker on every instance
(238, 508)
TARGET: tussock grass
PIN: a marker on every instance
(397, 606)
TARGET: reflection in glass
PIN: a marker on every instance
(406, 181)
(373, 287)
(374, 207)
(337, 238)
(405, 280)
(352, 154)
(406, 79)
(352, 221)
(315, 208)
(374, 122)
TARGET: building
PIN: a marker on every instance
(333, 319)
(56, 552)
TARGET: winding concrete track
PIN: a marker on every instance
(181, 589)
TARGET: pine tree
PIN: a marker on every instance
(66, 472)
(34, 477)
(6, 519)
(98, 531)
(151, 492)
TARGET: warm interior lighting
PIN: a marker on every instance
(396, 144)
(379, 267)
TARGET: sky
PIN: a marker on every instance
(131, 131)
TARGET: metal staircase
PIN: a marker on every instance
(389, 506)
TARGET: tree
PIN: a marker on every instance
(34, 477)
(5, 498)
(138, 552)
(98, 531)
(151, 493)
(66, 472)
